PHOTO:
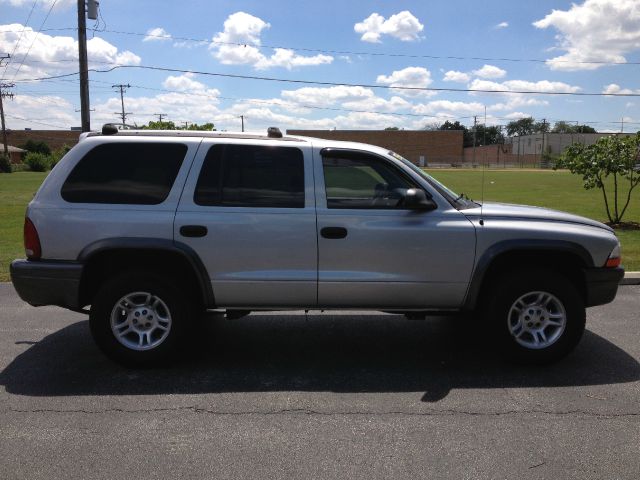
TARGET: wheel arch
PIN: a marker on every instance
(106, 257)
(569, 258)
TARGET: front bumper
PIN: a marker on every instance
(602, 284)
(47, 282)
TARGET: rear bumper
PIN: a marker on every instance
(47, 283)
(602, 284)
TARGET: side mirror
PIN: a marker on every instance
(416, 199)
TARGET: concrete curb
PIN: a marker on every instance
(631, 278)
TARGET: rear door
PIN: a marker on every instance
(249, 212)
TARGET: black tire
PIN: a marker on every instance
(511, 286)
(178, 304)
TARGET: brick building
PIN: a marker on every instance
(53, 138)
(435, 147)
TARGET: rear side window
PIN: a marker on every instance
(129, 173)
(251, 176)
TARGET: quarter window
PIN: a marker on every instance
(362, 181)
(251, 176)
(125, 173)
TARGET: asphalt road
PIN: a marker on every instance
(324, 396)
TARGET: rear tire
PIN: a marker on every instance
(537, 316)
(139, 319)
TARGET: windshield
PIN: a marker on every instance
(459, 201)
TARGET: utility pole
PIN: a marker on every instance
(122, 89)
(186, 125)
(160, 115)
(84, 69)
(242, 119)
(544, 127)
(475, 121)
(622, 125)
(4, 94)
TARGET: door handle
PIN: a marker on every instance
(193, 231)
(333, 232)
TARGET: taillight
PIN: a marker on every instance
(31, 240)
(614, 258)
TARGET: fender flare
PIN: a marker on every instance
(518, 245)
(154, 244)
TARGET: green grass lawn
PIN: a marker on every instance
(559, 190)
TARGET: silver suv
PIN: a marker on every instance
(144, 230)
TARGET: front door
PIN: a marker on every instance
(373, 252)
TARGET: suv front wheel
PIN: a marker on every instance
(138, 318)
(537, 316)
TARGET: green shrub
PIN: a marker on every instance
(5, 164)
(20, 167)
(37, 162)
(36, 147)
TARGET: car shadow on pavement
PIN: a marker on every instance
(338, 353)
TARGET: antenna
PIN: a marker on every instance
(484, 163)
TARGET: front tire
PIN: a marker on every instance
(138, 319)
(537, 316)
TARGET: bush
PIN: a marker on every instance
(36, 147)
(5, 164)
(37, 162)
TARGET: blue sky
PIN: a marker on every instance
(390, 44)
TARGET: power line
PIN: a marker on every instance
(53, 4)
(343, 84)
(15, 46)
(358, 53)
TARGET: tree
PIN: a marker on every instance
(612, 156)
(36, 147)
(452, 126)
(160, 126)
(524, 126)
(585, 129)
(563, 127)
(205, 126)
(389, 129)
(484, 136)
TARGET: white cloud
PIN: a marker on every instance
(524, 85)
(378, 104)
(53, 54)
(490, 71)
(183, 83)
(324, 96)
(403, 26)
(456, 76)
(595, 31)
(614, 88)
(501, 25)
(412, 77)
(238, 44)
(447, 107)
(50, 110)
(157, 34)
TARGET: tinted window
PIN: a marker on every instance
(251, 176)
(133, 173)
(363, 182)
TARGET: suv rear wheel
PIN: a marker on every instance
(537, 316)
(138, 318)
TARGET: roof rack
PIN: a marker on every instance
(273, 133)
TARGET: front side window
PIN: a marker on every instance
(125, 173)
(364, 182)
(251, 176)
